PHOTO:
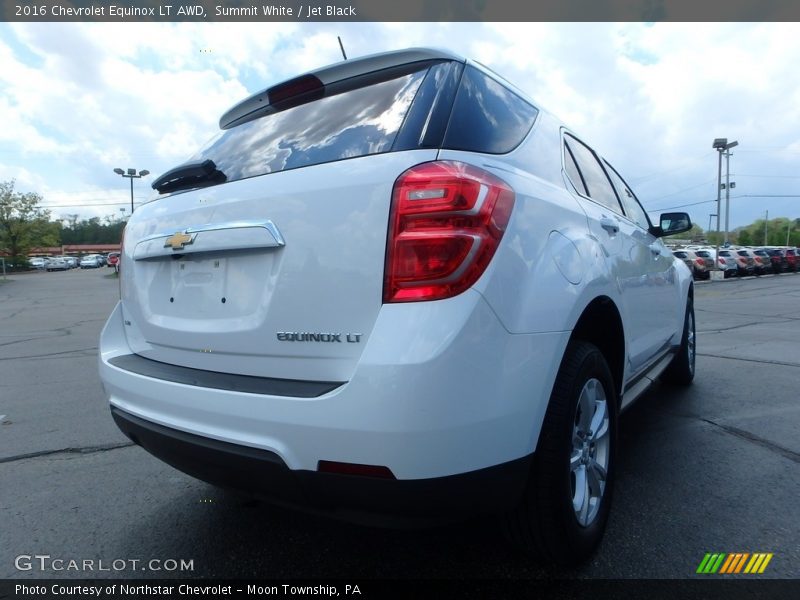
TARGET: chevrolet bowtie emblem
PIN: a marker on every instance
(178, 240)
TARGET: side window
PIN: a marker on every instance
(573, 173)
(631, 204)
(594, 176)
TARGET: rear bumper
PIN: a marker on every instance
(455, 394)
(349, 497)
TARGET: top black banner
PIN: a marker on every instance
(397, 10)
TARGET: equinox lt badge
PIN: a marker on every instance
(303, 336)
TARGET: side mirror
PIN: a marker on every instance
(672, 223)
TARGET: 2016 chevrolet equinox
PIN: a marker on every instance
(395, 287)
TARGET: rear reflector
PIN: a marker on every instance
(329, 466)
(447, 220)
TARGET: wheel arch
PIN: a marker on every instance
(600, 324)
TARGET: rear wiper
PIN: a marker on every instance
(190, 175)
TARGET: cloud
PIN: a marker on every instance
(79, 99)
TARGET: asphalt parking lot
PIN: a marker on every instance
(712, 468)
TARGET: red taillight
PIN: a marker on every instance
(447, 219)
(700, 262)
(722, 261)
(306, 87)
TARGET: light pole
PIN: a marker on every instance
(131, 174)
(721, 145)
(766, 220)
(728, 187)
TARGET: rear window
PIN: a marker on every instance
(742, 253)
(704, 253)
(355, 123)
(487, 117)
(681, 254)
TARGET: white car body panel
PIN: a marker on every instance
(267, 290)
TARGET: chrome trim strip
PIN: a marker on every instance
(268, 225)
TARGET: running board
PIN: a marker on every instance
(644, 381)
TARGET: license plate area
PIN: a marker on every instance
(199, 286)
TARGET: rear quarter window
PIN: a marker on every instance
(487, 117)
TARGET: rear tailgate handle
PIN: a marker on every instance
(210, 237)
(610, 225)
(655, 249)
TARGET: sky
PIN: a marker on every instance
(80, 99)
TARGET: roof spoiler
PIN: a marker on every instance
(312, 85)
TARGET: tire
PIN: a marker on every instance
(681, 370)
(547, 524)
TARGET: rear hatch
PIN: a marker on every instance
(266, 254)
(707, 259)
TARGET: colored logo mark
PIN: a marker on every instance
(736, 562)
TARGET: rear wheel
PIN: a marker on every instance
(681, 369)
(566, 503)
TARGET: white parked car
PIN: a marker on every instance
(57, 264)
(91, 261)
(38, 263)
(395, 286)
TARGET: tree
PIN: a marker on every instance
(744, 238)
(695, 233)
(92, 231)
(23, 223)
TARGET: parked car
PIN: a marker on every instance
(726, 265)
(708, 258)
(750, 264)
(743, 265)
(425, 321)
(763, 261)
(780, 262)
(57, 264)
(91, 261)
(38, 263)
(113, 259)
(791, 259)
(696, 264)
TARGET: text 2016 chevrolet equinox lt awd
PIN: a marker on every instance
(396, 289)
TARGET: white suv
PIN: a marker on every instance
(395, 289)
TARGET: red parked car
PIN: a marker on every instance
(113, 260)
(783, 260)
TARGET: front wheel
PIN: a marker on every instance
(566, 503)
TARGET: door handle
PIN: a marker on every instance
(610, 225)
